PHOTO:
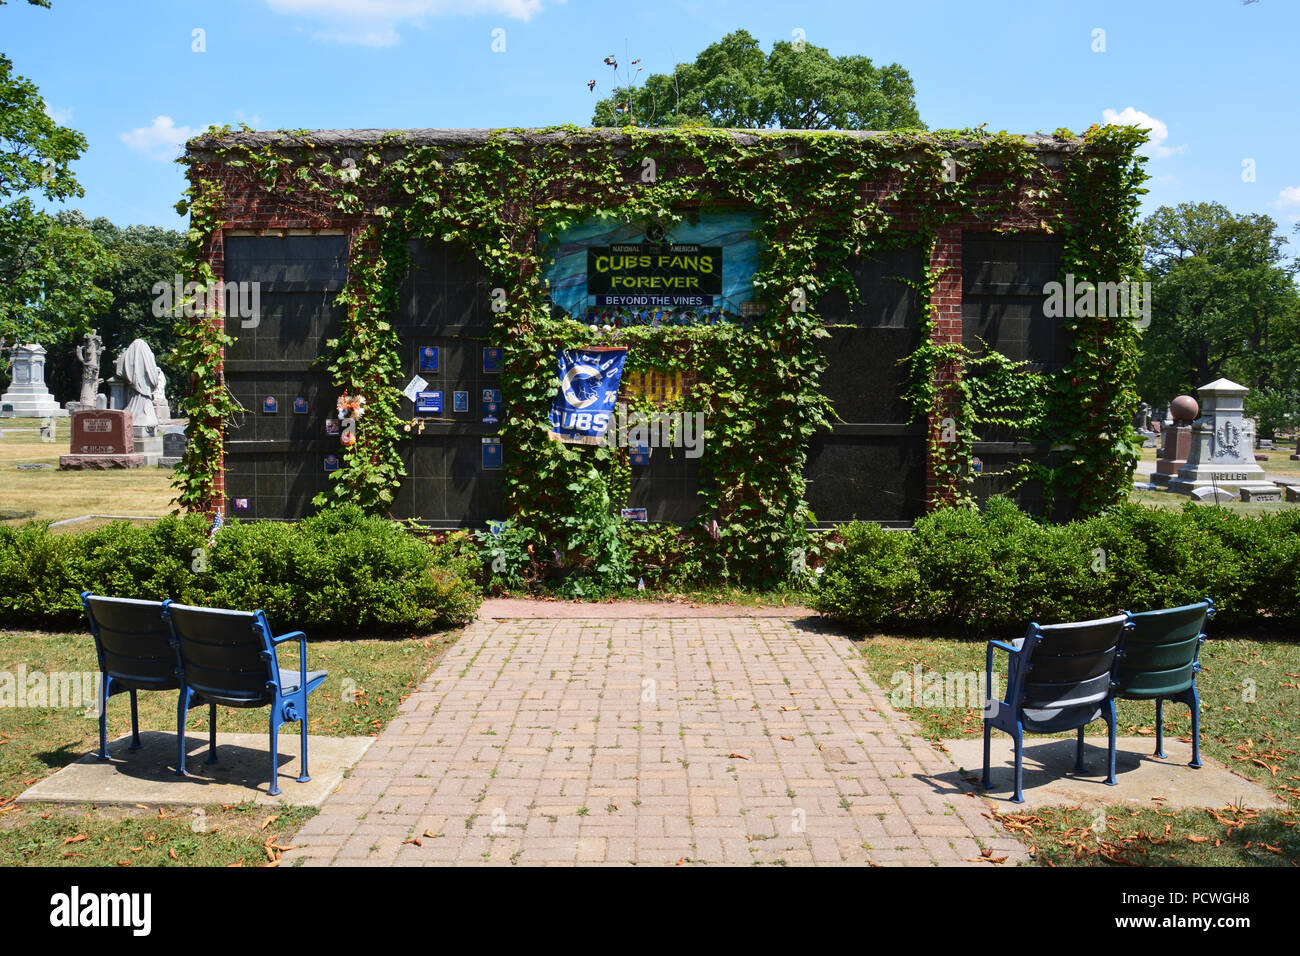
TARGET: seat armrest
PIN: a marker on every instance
(302, 655)
(988, 672)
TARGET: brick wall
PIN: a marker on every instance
(248, 208)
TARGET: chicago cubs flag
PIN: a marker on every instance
(584, 406)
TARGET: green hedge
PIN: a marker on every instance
(340, 570)
(999, 569)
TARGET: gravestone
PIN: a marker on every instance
(47, 429)
(27, 392)
(1222, 451)
(174, 445)
(7, 410)
(1175, 441)
(101, 401)
(101, 440)
(1256, 494)
(1217, 495)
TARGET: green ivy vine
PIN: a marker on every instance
(818, 200)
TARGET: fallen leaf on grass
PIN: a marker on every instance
(431, 835)
(171, 852)
(76, 839)
(738, 756)
(415, 840)
(268, 821)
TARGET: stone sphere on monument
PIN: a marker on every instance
(1184, 409)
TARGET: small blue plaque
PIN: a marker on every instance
(331, 426)
(491, 405)
(460, 401)
(300, 406)
(428, 403)
(241, 504)
(331, 462)
(639, 455)
(269, 405)
(491, 361)
(429, 358)
(492, 454)
(635, 514)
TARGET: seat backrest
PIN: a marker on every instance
(132, 640)
(1070, 664)
(1161, 652)
(227, 656)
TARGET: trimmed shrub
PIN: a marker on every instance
(999, 569)
(340, 570)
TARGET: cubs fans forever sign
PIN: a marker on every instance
(645, 275)
(699, 270)
(584, 405)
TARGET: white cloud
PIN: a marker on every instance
(162, 139)
(1156, 138)
(1288, 198)
(62, 117)
(375, 22)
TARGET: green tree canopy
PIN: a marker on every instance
(733, 84)
(139, 257)
(1224, 300)
(48, 268)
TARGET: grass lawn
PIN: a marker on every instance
(51, 495)
(1258, 738)
(35, 742)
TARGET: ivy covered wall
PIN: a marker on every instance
(817, 199)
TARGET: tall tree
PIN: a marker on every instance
(733, 84)
(1224, 299)
(140, 257)
(47, 268)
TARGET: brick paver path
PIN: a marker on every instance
(712, 740)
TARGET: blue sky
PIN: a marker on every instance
(1216, 78)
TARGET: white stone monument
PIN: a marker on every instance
(27, 392)
(1222, 453)
(140, 377)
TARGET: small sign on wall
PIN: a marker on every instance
(492, 361)
(492, 454)
(300, 406)
(332, 426)
(429, 359)
(429, 403)
(491, 405)
(460, 401)
(639, 455)
(331, 463)
(242, 504)
(635, 514)
(269, 405)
